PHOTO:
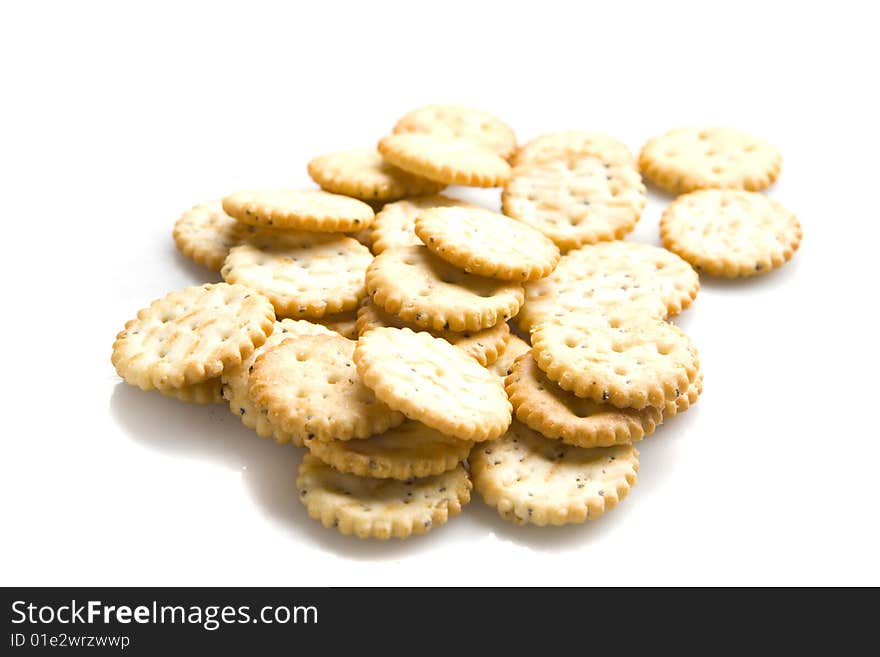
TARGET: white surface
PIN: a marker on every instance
(114, 121)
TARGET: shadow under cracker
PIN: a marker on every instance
(268, 469)
(549, 538)
(778, 277)
(198, 273)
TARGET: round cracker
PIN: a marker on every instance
(448, 161)
(630, 361)
(641, 278)
(582, 199)
(417, 286)
(730, 233)
(309, 387)
(407, 451)
(303, 274)
(487, 243)
(429, 380)
(235, 381)
(458, 122)
(380, 508)
(687, 159)
(484, 346)
(395, 222)
(363, 174)
(530, 479)
(565, 144)
(555, 413)
(191, 336)
(299, 209)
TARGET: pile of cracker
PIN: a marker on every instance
(419, 346)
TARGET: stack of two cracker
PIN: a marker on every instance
(290, 245)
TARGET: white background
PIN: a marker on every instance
(116, 120)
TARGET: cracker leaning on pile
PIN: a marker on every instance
(381, 341)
